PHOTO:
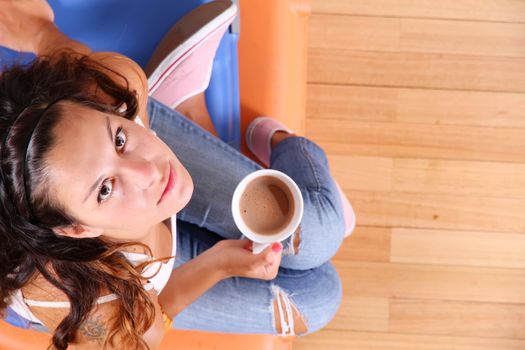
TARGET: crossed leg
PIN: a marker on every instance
(294, 303)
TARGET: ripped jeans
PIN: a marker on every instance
(305, 280)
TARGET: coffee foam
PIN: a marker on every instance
(267, 205)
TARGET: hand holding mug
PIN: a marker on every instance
(235, 258)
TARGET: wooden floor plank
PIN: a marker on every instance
(430, 246)
(333, 339)
(460, 319)
(404, 140)
(417, 35)
(362, 314)
(432, 282)
(486, 10)
(490, 179)
(418, 70)
(363, 173)
(435, 211)
(366, 244)
(464, 248)
(421, 106)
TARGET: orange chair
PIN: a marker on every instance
(13, 338)
(272, 62)
(272, 77)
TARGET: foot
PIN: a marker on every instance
(262, 134)
(181, 65)
(279, 136)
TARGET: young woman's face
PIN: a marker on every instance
(110, 173)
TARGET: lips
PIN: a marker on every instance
(169, 182)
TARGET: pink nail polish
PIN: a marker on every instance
(277, 247)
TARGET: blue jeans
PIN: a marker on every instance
(306, 277)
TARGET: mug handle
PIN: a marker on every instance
(259, 247)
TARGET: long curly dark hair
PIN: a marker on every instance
(31, 99)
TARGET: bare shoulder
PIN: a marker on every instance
(94, 331)
(41, 289)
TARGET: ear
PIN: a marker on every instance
(78, 231)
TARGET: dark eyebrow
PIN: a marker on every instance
(97, 181)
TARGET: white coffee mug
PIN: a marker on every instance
(260, 242)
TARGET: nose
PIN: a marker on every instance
(141, 172)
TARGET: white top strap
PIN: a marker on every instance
(66, 304)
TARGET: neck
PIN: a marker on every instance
(150, 239)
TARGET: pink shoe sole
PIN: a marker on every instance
(181, 65)
(259, 136)
(258, 139)
(348, 212)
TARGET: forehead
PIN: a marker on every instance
(77, 157)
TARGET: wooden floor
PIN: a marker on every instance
(420, 106)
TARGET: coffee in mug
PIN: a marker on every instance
(267, 207)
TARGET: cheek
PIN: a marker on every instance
(153, 143)
(127, 217)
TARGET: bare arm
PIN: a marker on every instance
(227, 258)
(28, 26)
(189, 281)
(50, 39)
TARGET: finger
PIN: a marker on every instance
(248, 245)
(273, 253)
(277, 247)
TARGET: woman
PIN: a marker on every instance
(95, 206)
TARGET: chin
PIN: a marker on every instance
(184, 196)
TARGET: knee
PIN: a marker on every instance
(327, 300)
(324, 211)
(316, 240)
(311, 313)
(331, 202)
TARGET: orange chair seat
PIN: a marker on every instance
(13, 338)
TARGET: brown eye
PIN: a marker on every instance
(105, 191)
(106, 188)
(120, 138)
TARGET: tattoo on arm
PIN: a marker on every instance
(94, 329)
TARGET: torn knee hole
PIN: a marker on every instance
(288, 320)
(296, 241)
(293, 247)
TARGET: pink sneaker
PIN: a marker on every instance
(181, 65)
(259, 135)
(258, 139)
